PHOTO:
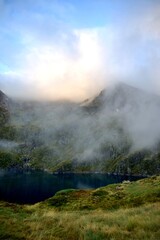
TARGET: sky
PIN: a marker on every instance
(70, 49)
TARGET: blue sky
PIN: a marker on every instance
(53, 49)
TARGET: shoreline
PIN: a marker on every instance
(16, 170)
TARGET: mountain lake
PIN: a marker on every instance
(29, 187)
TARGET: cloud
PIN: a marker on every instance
(135, 50)
(56, 60)
(59, 73)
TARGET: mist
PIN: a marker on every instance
(84, 90)
(120, 120)
(7, 145)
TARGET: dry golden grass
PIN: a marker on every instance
(135, 223)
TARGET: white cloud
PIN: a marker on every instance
(57, 73)
(57, 61)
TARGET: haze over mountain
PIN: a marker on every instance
(80, 93)
(138, 111)
(64, 136)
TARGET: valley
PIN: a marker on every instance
(80, 120)
(116, 132)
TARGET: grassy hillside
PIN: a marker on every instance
(126, 211)
(112, 133)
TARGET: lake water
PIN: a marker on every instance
(35, 186)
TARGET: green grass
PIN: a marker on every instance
(127, 211)
(110, 197)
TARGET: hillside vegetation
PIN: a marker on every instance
(126, 211)
(117, 132)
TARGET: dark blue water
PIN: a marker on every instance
(35, 186)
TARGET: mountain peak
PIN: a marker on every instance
(120, 96)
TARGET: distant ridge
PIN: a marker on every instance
(119, 97)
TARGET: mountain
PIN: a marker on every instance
(4, 100)
(118, 131)
(4, 108)
(133, 115)
(121, 96)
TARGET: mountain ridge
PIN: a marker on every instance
(118, 131)
(119, 94)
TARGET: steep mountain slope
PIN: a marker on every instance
(118, 131)
(136, 113)
(120, 97)
(4, 108)
(135, 109)
(3, 100)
